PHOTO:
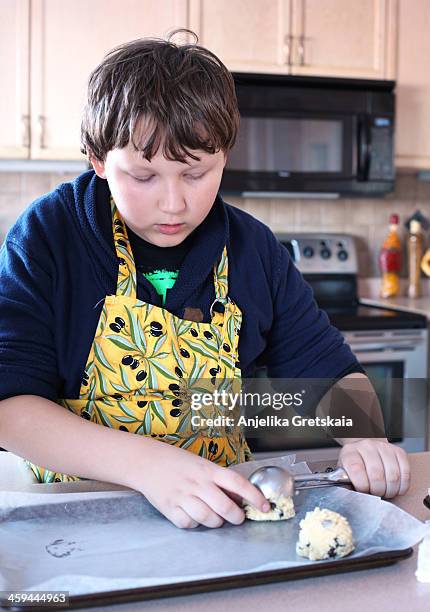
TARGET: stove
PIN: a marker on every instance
(329, 263)
(391, 345)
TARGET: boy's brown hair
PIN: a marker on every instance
(184, 93)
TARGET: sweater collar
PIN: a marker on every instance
(209, 240)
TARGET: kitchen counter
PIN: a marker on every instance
(419, 305)
(394, 587)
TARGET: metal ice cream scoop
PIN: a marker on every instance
(273, 480)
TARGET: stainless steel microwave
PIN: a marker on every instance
(316, 137)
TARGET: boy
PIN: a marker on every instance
(127, 286)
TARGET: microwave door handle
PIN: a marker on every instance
(363, 149)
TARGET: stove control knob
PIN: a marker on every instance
(342, 255)
(325, 253)
(308, 252)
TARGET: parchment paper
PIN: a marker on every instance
(93, 542)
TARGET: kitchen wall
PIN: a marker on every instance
(367, 219)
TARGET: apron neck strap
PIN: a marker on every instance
(221, 277)
(126, 283)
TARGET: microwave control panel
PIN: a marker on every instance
(381, 147)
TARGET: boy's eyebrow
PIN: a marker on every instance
(147, 166)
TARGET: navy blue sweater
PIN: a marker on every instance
(58, 262)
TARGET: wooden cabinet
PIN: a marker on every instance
(413, 85)
(344, 38)
(69, 38)
(340, 38)
(14, 70)
(247, 35)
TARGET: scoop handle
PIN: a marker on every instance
(338, 475)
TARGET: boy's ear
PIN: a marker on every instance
(99, 166)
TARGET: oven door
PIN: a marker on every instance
(396, 363)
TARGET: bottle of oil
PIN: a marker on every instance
(390, 260)
(415, 255)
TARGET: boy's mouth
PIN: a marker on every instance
(167, 228)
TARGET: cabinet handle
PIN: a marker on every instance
(287, 49)
(301, 50)
(42, 121)
(25, 127)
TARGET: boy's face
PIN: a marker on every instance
(162, 201)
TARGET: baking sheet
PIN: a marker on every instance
(93, 542)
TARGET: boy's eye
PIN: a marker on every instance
(143, 180)
(195, 176)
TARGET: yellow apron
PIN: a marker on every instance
(145, 363)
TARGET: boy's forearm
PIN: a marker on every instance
(52, 437)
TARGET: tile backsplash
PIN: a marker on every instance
(19, 189)
(366, 219)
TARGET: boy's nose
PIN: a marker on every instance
(172, 200)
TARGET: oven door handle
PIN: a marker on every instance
(382, 349)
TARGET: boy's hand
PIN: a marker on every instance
(375, 466)
(190, 490)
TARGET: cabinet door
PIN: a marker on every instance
(14, 70)
(413, 85)
(344, 38)
(247, 35)
(69, 38)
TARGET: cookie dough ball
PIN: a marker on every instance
(281, 508)
(324, 534)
